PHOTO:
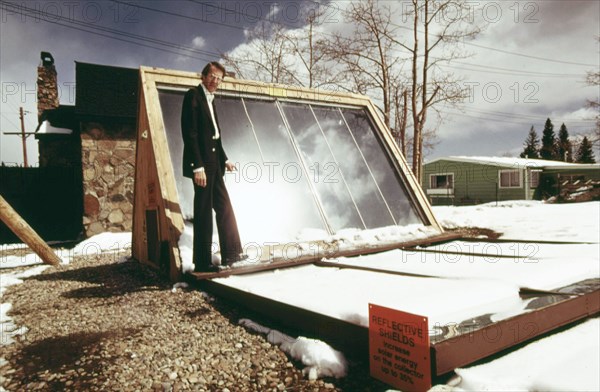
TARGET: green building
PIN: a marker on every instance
(472, 180)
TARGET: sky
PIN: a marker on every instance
(566, 360)
(528, 65)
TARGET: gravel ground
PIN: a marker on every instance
(100, 325)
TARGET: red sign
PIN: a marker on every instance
(399, 348)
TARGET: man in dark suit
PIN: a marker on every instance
(205, 161)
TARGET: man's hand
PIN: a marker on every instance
(229, 166)
(200, 178)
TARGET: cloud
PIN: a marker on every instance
(198, 42)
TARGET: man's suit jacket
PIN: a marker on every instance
(200, 148)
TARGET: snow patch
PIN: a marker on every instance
(319, 358)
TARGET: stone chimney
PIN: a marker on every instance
(47, 86)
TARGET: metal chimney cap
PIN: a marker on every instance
(47, 59)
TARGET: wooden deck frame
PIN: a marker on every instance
(156, 204)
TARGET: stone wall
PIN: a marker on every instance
(108, 160)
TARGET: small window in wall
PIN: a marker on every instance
(442, 184)
(510, 179)
(534, 178)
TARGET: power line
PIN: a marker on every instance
(217, 55)
(507, 71)
(9, 120)
(525, 119)
(89, 29)
(506, 51)
(181, 15)
(530, 56)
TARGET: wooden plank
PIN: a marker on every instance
(140, 185)
(175, 78)
(252, 269)
(170, 217)
(325, 253)
(149, 197)
(21, 228)
(476, 344)
(333, 264)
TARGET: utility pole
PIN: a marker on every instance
(23, 137)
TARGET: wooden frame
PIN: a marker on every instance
(155, 187)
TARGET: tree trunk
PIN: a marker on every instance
(415, 112)
(404, 121)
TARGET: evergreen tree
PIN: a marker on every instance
(585, 154)
(531, 145)
(548, 150)
(564, 149)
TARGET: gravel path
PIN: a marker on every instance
(100, 325)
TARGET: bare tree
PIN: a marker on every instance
(400, 106)
(370, 61)
(435, 32)
(367, 55)
(308, 49)
(374, 54)
(266, 56)
(593, 79)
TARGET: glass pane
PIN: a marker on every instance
(170, 103)
(280, 191)
(516, 179)
(352, 166)
(260, 219)
(382, 168)
(323, 169)
(504, 179)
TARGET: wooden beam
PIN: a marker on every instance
(327, 252)
(21, 228)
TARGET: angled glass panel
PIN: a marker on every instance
(280, 167)
(382, 168)
(335, 198)
(356, 175)
(284, 185)
(261, 205)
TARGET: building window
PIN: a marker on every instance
(510, 179)
(534, 178)
(441, 184)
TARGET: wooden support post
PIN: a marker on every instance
(22, 229)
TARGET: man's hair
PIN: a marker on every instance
(215, 64)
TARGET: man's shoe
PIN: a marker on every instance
(237, 259)
(206, 268)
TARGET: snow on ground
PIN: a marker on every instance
(8, 328)
(528, 220)
(98, 244)
(565, 361)
(101, 243)
(530, 265)
(320, 359)
(458, 286)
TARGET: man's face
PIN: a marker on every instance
(213, 79)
